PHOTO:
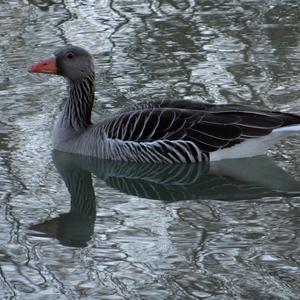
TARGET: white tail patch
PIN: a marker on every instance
(255, 146)
(288, 128)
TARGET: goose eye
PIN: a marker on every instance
(70, 55)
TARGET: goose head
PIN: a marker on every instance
(72, 62)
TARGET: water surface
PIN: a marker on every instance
(74, 227)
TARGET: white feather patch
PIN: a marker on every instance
(255, 146)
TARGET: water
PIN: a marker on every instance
(74, 227)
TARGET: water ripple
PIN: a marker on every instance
(218, 236)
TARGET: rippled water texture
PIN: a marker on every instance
(74, 227)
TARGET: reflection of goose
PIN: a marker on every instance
(164, 131)
(76, 227)
(249, 178)
(237, 179)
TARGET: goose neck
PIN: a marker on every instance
(78, 108)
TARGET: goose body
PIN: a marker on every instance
(158, 131)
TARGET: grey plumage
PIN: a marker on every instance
(160, 131)
(183, 131)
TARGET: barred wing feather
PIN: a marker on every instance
(177, 135)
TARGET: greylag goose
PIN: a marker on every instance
(159, 131)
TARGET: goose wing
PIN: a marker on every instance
(192, 105)
(185, 135)
(287, 118)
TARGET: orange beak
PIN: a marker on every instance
(47, 66)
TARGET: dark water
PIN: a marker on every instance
(74, 227)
